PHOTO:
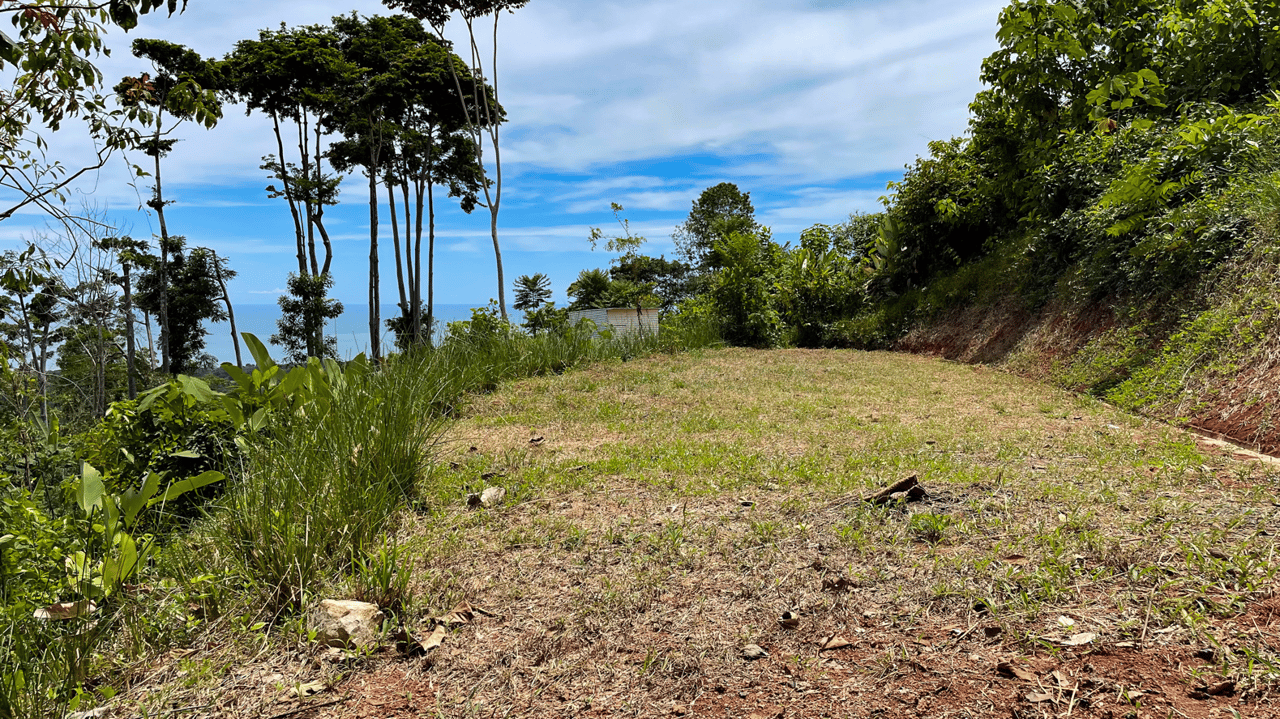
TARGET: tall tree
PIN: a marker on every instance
(718, 211)
(294, 75)
(185, 87)
(131, 254)
(195, 296)
(404, 107)
(531, 291)
(485, 115)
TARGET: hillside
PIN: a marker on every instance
(665, 515)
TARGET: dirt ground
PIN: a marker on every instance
(689, 536)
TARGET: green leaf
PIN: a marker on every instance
(182, 486)
(90, 489)
(259, 351)
(133, 501)
(196, 388)
(187, 454)
(146, 399)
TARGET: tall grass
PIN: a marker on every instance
(330, 483)
(318, 496)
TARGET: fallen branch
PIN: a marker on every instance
(910, 488)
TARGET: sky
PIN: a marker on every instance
(812, 106)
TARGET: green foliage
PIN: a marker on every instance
(176, 430)
(532, 291)
(744, 289)
(193, 297)
(820, 285)
(486, 324)
(590, 290)
(304, 311)
(720, 210)
(547, 318)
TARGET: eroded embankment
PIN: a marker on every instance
(1214, 369)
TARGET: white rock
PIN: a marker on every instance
(346, 623)
(492, 496)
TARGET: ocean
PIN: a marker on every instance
(351, 329)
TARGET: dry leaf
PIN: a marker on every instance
(1010, 670)
(1221, 689)
(306, 690)
(66, 610)
(834, 641)
(1037, 697)
(461, 614)
(839, 584)
(436, 638)
(768, 713)
(1066, 621)
(1060, 678)
(1080, 639)
(1017, 559)
(751, 652)
(407, 645)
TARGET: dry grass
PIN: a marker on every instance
(677, 506)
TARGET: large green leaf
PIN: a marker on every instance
(259, 351)
(90, 489)
(132, 501)
(182, 486)
(196, 388)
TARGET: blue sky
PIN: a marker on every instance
(810, 106)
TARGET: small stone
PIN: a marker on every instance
(493, 496)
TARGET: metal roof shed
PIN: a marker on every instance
(623, 320)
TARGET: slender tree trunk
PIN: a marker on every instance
(484, 114)
(100, 385)
(319, 215)
(288, 196)
(128, 334)
(166, 336)
(409, 270)
(151, 345)
(419, 191)
(492, 123)
(307, 200)
(395, 242)
(375, 295)
(431, 257)
(231, 312)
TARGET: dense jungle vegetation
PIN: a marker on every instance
(1125, 153)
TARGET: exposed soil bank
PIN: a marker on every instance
(1093, 349)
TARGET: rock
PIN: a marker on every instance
(346, 623)
(492, 496)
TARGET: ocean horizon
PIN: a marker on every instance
(351, 328)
